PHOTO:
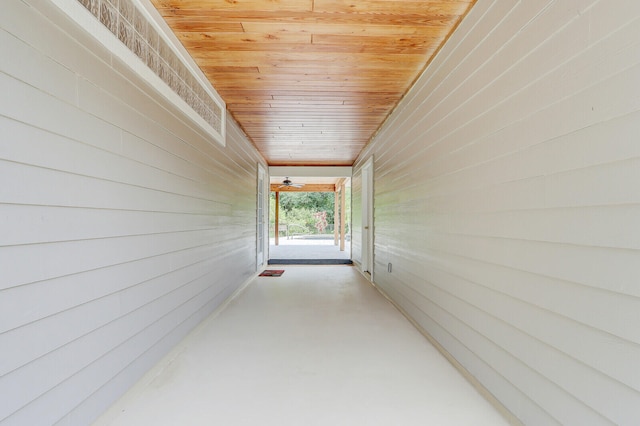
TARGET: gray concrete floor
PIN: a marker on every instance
(307, 248)
(318, 346)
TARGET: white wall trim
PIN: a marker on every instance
(319, 171)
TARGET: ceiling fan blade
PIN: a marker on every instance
(297, 185)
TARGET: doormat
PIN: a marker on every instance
(272, 273)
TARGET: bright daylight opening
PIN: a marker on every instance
(308, 226)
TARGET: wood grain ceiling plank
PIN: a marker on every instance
(328, 60)
(347, 28)
(351, 135)
(298, 144)
(407, 40)
(326, 163)
(270, 130)
(329, 150)
(297, 113)
(287, 103)
(274, 131)
(288, 106)
(182, 17)
(309, 117)
(180, 24)
(295, 142)
(328, 128)
(323, 157)
(238, 5)
(307, 85)
(315, 94)
(330, 147)
(371, 76)
(224, 40)
(216, 40)
(286, 141)
(311, 96)
(354, 114)
(226, 71)
(388, 49)
(349, 109)
(399, 73)
(284, 119)
(328, 144)
(342, 101)
(323, 153)
(386, 7)
(301, 82)
(323, 109)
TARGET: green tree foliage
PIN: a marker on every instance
(299, 208)
(312, 201)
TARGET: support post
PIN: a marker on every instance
(342, 214)
(277, 224)
(336, 230)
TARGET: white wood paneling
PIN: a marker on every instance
(507, 199)
(122, 225)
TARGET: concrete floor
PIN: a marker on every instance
(317, 346)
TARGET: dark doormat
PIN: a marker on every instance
(272, 273)
(310, 262)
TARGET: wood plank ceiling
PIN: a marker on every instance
(311, 81)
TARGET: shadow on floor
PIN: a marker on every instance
(310, 262)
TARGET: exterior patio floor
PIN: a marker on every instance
(308, 247)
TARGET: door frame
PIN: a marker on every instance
(367, 218)
(262, 217)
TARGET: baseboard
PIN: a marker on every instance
(365, 274)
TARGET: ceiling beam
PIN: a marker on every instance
(310, 187)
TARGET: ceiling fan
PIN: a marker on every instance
(288, 183)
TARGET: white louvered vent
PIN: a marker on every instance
(132, 25)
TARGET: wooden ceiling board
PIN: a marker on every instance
(393, 7)
(311, 81)
(241, 5)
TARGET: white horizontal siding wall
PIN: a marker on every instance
(507, 198)
(121, 225)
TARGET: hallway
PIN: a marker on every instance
(316, 346)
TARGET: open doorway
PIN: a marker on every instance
(309, 220)
(362, 252)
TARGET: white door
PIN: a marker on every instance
(367, 217)
(261, 218)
